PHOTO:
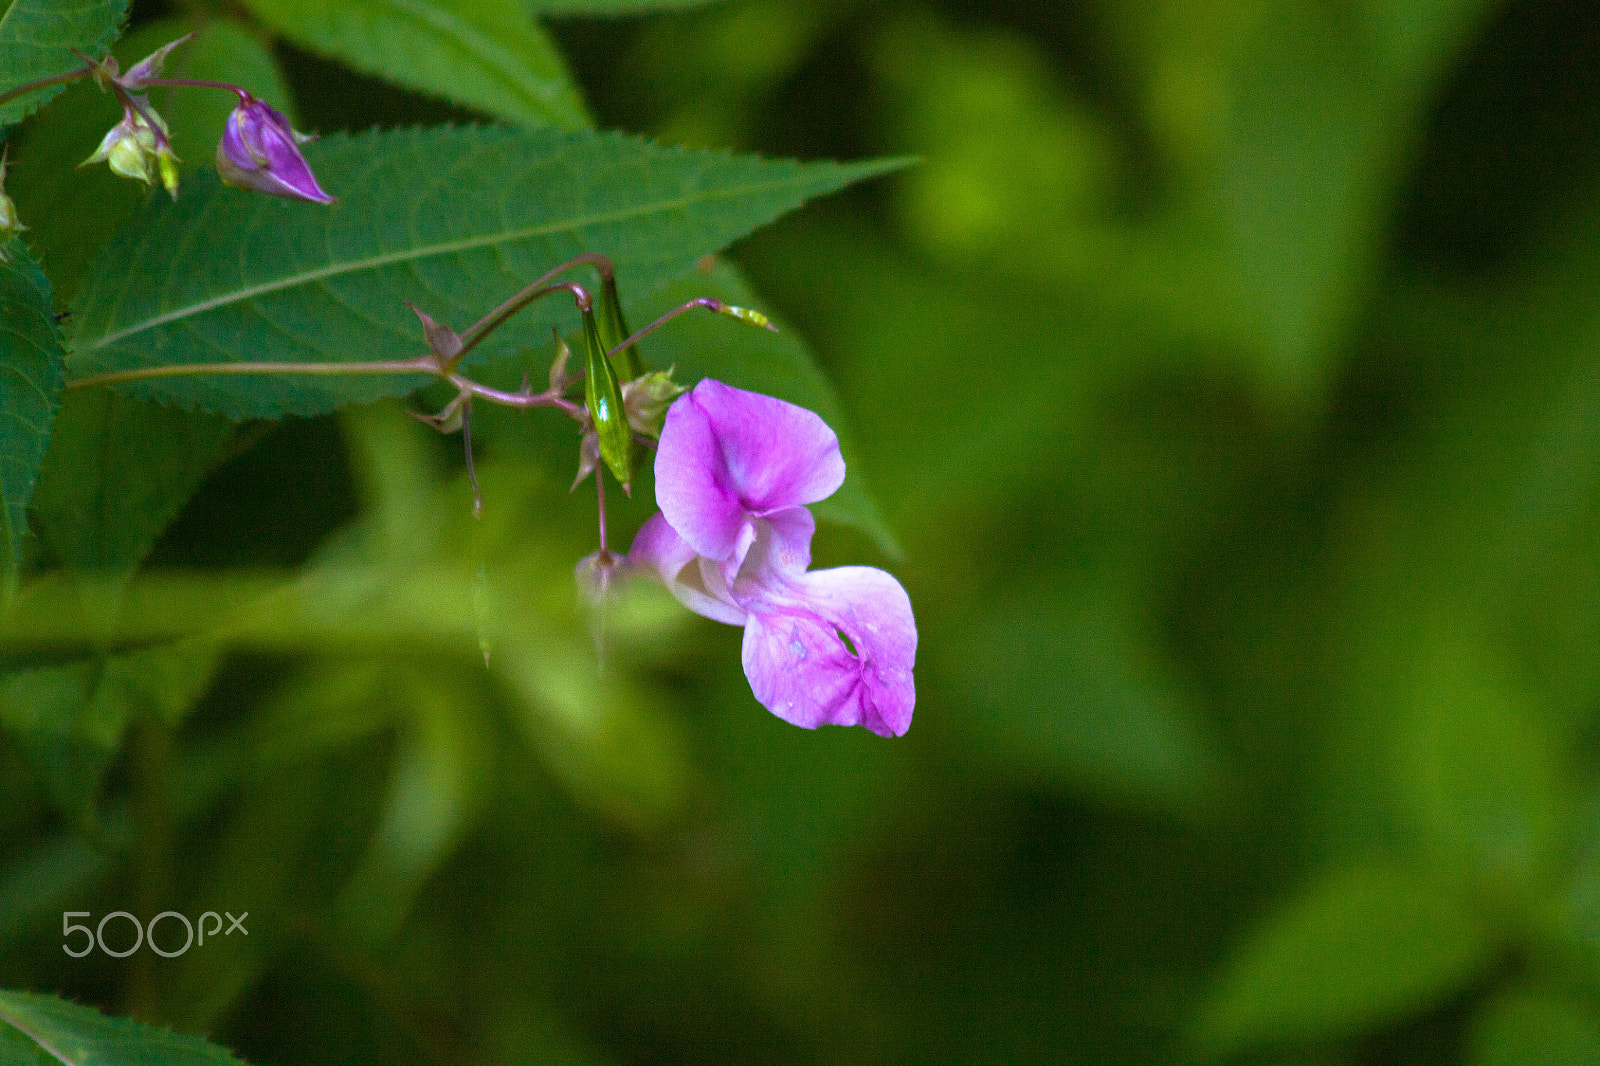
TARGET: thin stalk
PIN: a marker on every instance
(198, 83)
(472, 473)
(709, 302)
(129, 102)
(43, 83)
(536, 290)
(600, 494)
(515, 399)
(421, 365)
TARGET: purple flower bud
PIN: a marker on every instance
(259, 151)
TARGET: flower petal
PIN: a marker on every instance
(769, 552)
(695, 584)
(726, 453)
(802, 671)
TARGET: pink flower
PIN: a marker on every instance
(734, 472)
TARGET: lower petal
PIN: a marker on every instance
(801, 668)
(801, 671)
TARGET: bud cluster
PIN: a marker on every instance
(259, 150)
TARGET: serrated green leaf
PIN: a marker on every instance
(487, 54)
(47, 1031)
(777, 364)
(117, 472)
(119, 468)
(1362, 947)
(31, 374)
(37, 38)
(452, 219)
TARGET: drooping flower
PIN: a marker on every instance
(260, 151)
(734, 471)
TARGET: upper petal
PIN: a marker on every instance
(726, 453)
(802, 671)
(658, 547)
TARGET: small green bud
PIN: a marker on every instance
(603, 396)
(745, 314)
(558, 367)
(134, 149)
(168, 165)
(9, 222)
(646, 399)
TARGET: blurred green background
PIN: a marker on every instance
(1227, 375)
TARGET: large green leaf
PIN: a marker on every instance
(45, 1031)
(37, 38)
(487, 54)
(30, 378)
(1364, 946)
(455, 220)
(116, 474)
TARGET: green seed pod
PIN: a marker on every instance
(614, 330)
(603, 396)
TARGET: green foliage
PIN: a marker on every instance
(44, 1031)
(1535, 1027)
(36, 41)
(1058, 684)
(485, 54)
(498, 207)
(1363, 946)
(561, 8)
(31, 373)
(71, 720)
(1325, 116)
